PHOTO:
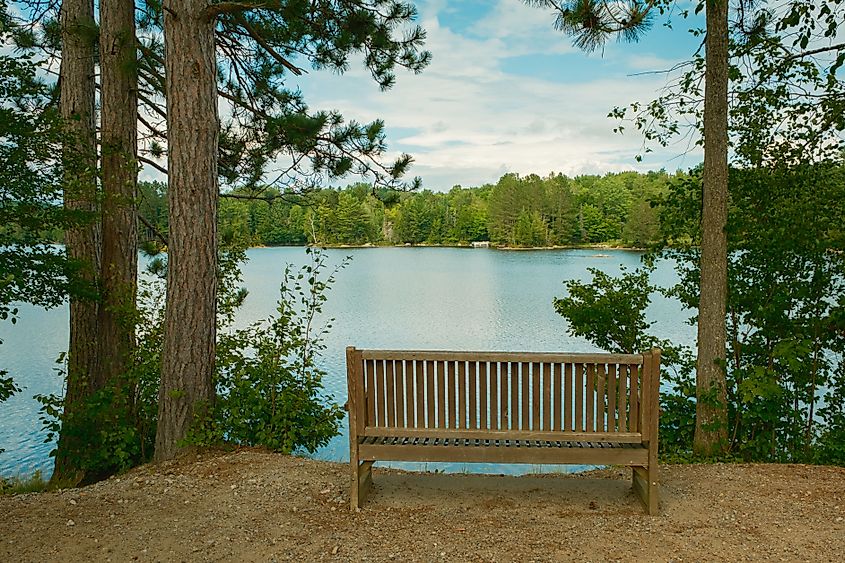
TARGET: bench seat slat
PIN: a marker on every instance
(626, 437)
(475, 452)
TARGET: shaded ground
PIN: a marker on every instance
(250, 506)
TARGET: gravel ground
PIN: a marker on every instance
(254, 506)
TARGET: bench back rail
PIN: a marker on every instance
(595, 397)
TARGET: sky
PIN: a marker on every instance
(505, 92)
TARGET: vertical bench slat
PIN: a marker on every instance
(462, 395)
(453, 399)
(441, 394)
(504, 420)
(643, 422)
(591, 397)
(482, 395)
(525, 375)
(369, 366)
(635, 399)
(380, 393)
(546, 373)
(535, 396)
(611, 401)
(409, 393)
(493, 372)
(473, 395)
(579, 397)
(361, 400)
(567, 397)
(390, 388)
(514, 412)
(623, 395)
(558, 405)
(399, 375)
(601, 415)
(419, 371)
(429, 394)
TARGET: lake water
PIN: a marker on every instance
(396, 298)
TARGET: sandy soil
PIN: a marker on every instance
(252, 506)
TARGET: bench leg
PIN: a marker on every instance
(362, 481)
(645, 486)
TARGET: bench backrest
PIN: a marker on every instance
(610, 397)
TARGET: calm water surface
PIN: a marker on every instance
(418, 298)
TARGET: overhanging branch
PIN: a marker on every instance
(153, 163)
(230, 7)
(243, 22)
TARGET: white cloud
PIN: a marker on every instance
(467, 121)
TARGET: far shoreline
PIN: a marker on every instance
(597, 246)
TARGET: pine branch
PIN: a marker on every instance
(269, 199)
(215, 10)
(155, 231)
(156, 132)
(153, 163)
(267, 47)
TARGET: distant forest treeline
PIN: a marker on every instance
(517, 211)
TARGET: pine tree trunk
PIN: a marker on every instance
(189, 342)
(118, 132)
(711, 408)
(82, 244)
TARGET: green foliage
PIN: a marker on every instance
(270, 388)
(530, 211)
(610, 312)
(32, 269)
(785, 308)
(786, 314)
(268, 382)
(114, 428)
(21, 486)
(787, 98)
(592, 22)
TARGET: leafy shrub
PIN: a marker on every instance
(269, 386)
(785, 314)
(610, 312)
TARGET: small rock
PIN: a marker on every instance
(71, 523)
(71, 501)
(334, 550)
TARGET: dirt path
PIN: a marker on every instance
(249, 506)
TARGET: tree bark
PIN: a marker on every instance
(711, 406)
(82, 243)
(118, 132)
(190, 320)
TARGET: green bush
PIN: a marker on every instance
(269, 386)
(785, 314)
(610, 312)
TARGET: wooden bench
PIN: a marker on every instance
(496, 407)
